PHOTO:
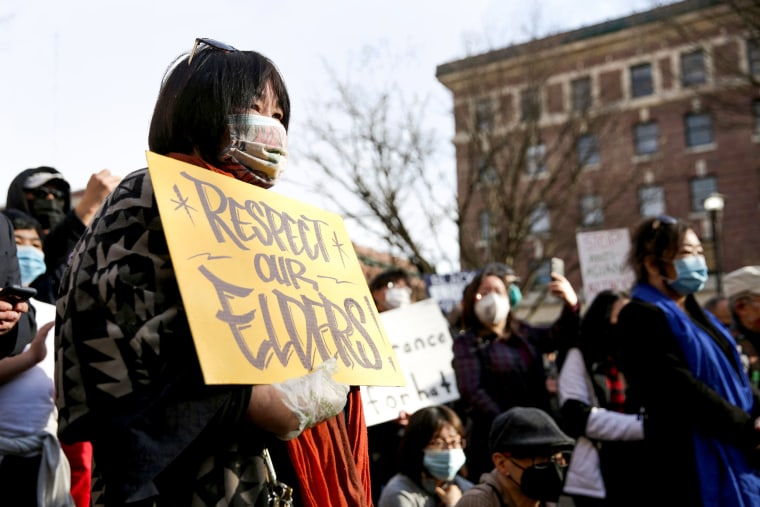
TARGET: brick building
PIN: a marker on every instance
(601, 126)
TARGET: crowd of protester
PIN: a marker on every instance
(112, 409)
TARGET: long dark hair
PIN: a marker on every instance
(660, 237)
(596, 337)
(469, 319)
(422, 427)
(196, 98)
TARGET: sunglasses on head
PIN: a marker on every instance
(212, 43)
(663, 220)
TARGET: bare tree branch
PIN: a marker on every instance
(376, 154)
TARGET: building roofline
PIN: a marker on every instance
(583, 33)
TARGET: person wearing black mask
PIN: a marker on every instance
(43, 193)
(530, 454)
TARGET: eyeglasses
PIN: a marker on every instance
(749, 299)
(441, 444)
(561, 458)
(221, 46)
(43, 192)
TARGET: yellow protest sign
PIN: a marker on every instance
(272, 286)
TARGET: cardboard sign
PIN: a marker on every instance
(420, 336)
(603, 257)
(272, 287)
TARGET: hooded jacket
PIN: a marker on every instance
(58, 242)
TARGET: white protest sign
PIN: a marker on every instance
(603, 257)
(447, 288)
(419, 335)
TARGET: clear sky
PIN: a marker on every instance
(80, 77)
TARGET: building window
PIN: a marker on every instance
(588, 150)
(486, 172)
(530, 105)
(651, 201)
(641, 80)
(539, 219)
(700, 189)
(756, 115)
(581, 90)
(698, 128)
(591, 210)
(693, 68)
(753, 56)
(535, 160)
(484, 225)
(646, 136)
(483, 115)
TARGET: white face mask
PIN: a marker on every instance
(396, 297)
(492, 308)
(258, 143)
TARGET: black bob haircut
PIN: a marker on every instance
(196, 98)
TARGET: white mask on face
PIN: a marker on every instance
(492, 308)
(260, 144)
(396, 297)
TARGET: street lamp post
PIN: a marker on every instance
(714, 206)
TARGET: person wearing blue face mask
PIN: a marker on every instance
(28, 235)
(30, 247)
(430, 457)
(684, 371)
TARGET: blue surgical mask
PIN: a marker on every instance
(443, 464)
(31, 263)
(691, 274)
(515, 295)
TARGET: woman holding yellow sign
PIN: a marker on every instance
(130, 380)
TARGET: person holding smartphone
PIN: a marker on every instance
(499, 359)
(31, 377)
(33, 464)
(17, 326)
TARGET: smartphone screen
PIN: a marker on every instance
(558, 266)
(16, 294)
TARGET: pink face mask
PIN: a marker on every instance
(259, 143)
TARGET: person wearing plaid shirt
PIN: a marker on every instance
(498, 359)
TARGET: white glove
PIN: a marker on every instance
(314, 397)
